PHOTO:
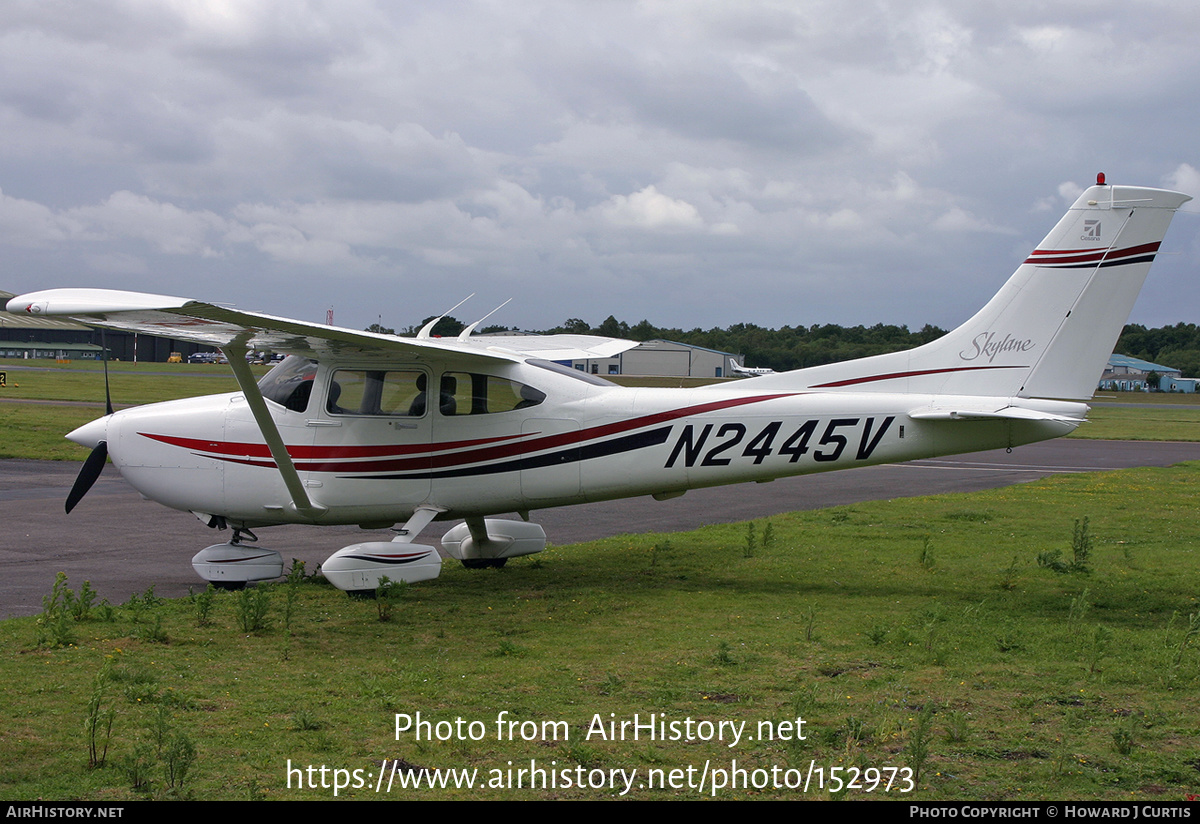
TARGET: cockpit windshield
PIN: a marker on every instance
(290, 383)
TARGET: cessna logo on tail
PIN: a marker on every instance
(985, 345)
(1091, 230)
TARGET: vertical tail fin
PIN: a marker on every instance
(1049, 330)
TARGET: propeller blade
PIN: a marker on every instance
(91, 470)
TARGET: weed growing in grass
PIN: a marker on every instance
(917, 751)
(1190, 632)
(253, 603)
(160, 728)
(658, 551)
(724, 656)
(302, 720)
(611, 683)
(583, 755)
(854, 731)
(377, 688)
(148, 599)
(1098, 648)
(55, 626)
(80, 605)
(387, 595)
(768, 536)
(140, 605)
(1079, 609)
(926, 556)
(1009, 640)
(105, 611)
(295, 577)
(805, 700)
(878, 634)
(1081, 546)
(809, 619)
(958, 726)
(508, 649)
(1008, 578)
(178, 759)
(1081, 552)
(751, 541)
(202, 604)
(136, 766)
(1052, 560)
(97, 723)
(152, 631)
(1124, 735)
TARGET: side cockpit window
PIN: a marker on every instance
(381, 392)
(468, 393)
(290, 383)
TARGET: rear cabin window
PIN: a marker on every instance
(391, 392)
(468, 393)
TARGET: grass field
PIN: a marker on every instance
(930, 635)
(916, 633)
(1144, 422)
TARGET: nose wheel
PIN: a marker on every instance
(232, 565)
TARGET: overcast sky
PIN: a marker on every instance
(692, 163)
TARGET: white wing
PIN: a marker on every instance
(213, 325)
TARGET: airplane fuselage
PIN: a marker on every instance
(373, 429)
(586, 442)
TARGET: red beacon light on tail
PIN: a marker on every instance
(1099, 178)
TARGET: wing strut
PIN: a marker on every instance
(236, 355)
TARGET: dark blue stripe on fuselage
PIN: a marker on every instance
(628, 443)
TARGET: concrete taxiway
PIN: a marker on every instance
(123, 544)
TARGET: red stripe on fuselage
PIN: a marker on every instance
(893, 375)
(261, 450)
(245, 453)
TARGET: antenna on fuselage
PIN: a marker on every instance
(466, 332)
(427, 329)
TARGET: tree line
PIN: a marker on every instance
(798, 347)
(1176, 346)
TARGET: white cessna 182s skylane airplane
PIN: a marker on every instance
(370, 429)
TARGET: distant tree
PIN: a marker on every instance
(643, 330)
(383, 330)
(613, 328)
(447, 327)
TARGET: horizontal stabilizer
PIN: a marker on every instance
(1015, 413)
